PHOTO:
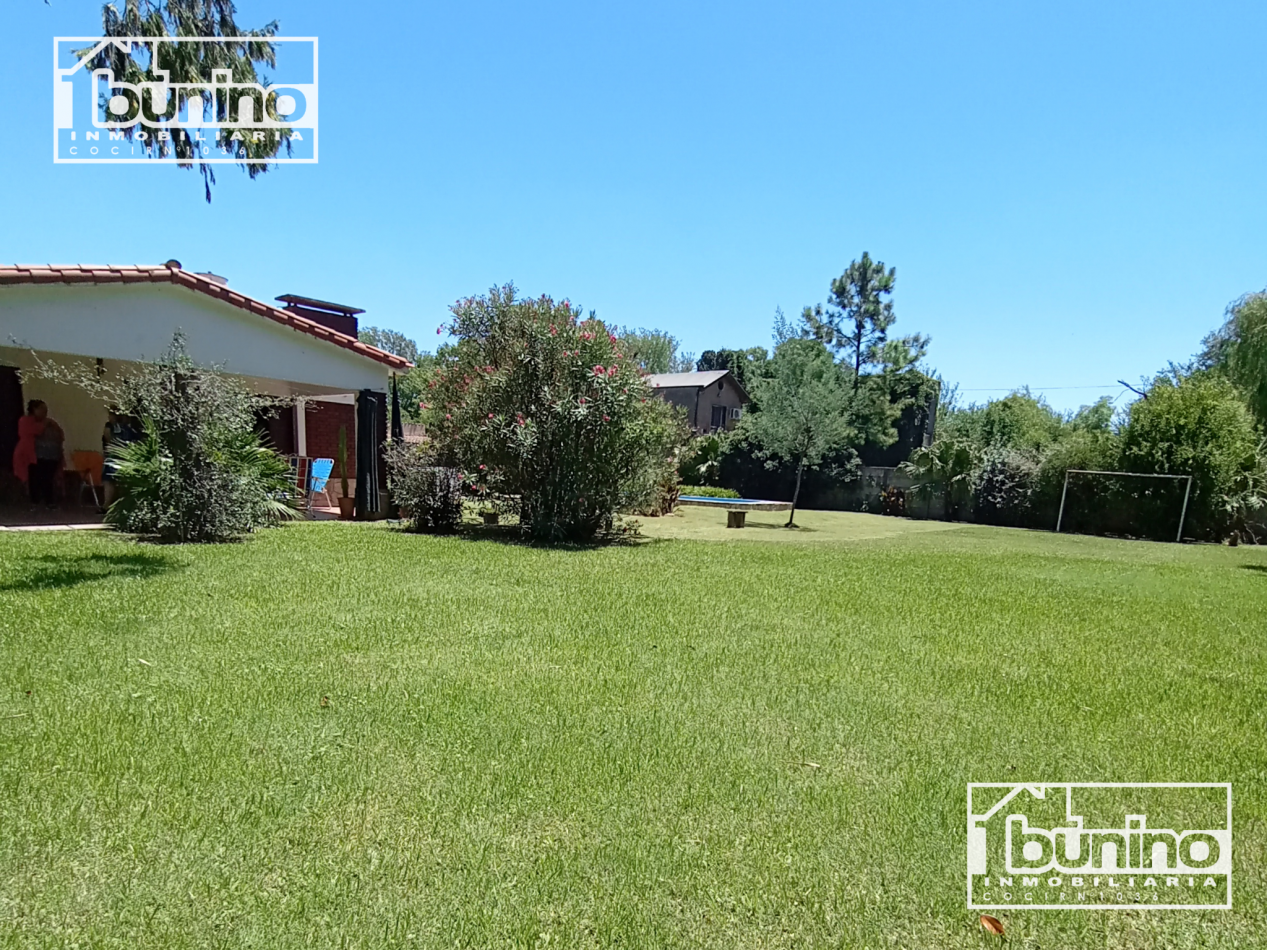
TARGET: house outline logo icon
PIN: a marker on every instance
(1031, 846)
(101, 119)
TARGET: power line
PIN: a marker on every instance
(1012, 389)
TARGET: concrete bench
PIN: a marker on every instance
(736, 508)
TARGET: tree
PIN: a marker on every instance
(744, 365)
(1021, 422)
(193, 63)
(805, 410)
(1097, 417)
(856, 321)
(1199, 426)
(391, 341)
(413, 383)
(1239, 351)
(539, 404)
(655, 351)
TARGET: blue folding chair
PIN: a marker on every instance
(318, 475)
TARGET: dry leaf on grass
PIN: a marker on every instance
(992, 925)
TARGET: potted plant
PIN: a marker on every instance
(346, 504)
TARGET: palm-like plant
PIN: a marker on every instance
(945, 468)
(704, 461)
(238, 486)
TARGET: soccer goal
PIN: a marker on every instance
(1183, 511)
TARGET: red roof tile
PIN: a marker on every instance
(157, 274)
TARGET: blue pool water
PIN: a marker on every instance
(724, 501)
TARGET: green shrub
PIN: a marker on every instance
(213, 487)
(708, 491)
(429, 495)
(1198, 426)
(199, 472)
(544, 406)
(1003, 487)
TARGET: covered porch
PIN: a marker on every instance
(107, 320)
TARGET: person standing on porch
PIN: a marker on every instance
(118, 431)
(37, 458)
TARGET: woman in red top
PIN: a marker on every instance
(37, 457)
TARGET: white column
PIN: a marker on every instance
(301, 427)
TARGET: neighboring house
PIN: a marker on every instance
(113, 316)
(713, 399)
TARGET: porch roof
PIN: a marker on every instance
(172, 273)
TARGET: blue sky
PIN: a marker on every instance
(1071, 193)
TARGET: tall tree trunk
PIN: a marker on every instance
(857, 359)
(800, 470)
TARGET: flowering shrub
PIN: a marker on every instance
(546, 407)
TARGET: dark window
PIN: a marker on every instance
(11, 410)
(276, 426)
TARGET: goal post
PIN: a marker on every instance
(1183, 513)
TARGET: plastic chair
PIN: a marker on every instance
(318, 476)
(89, 465)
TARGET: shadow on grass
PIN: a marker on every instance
(779, 526)
(1259, 568)
(512, 535)
(53, 572)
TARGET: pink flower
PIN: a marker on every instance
(447, 416)
(582, 400)
(612, 337)
(612, 370)
(599, 371)
(607, 418)
(490, 415)
(554, 331)
(481, 468)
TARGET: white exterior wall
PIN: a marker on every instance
(137, 322)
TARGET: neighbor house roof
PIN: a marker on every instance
(172, 274)
(700, 380)
(686, 380)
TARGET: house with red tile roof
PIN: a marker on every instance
(302, 348)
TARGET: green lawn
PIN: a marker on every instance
(341, 735)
